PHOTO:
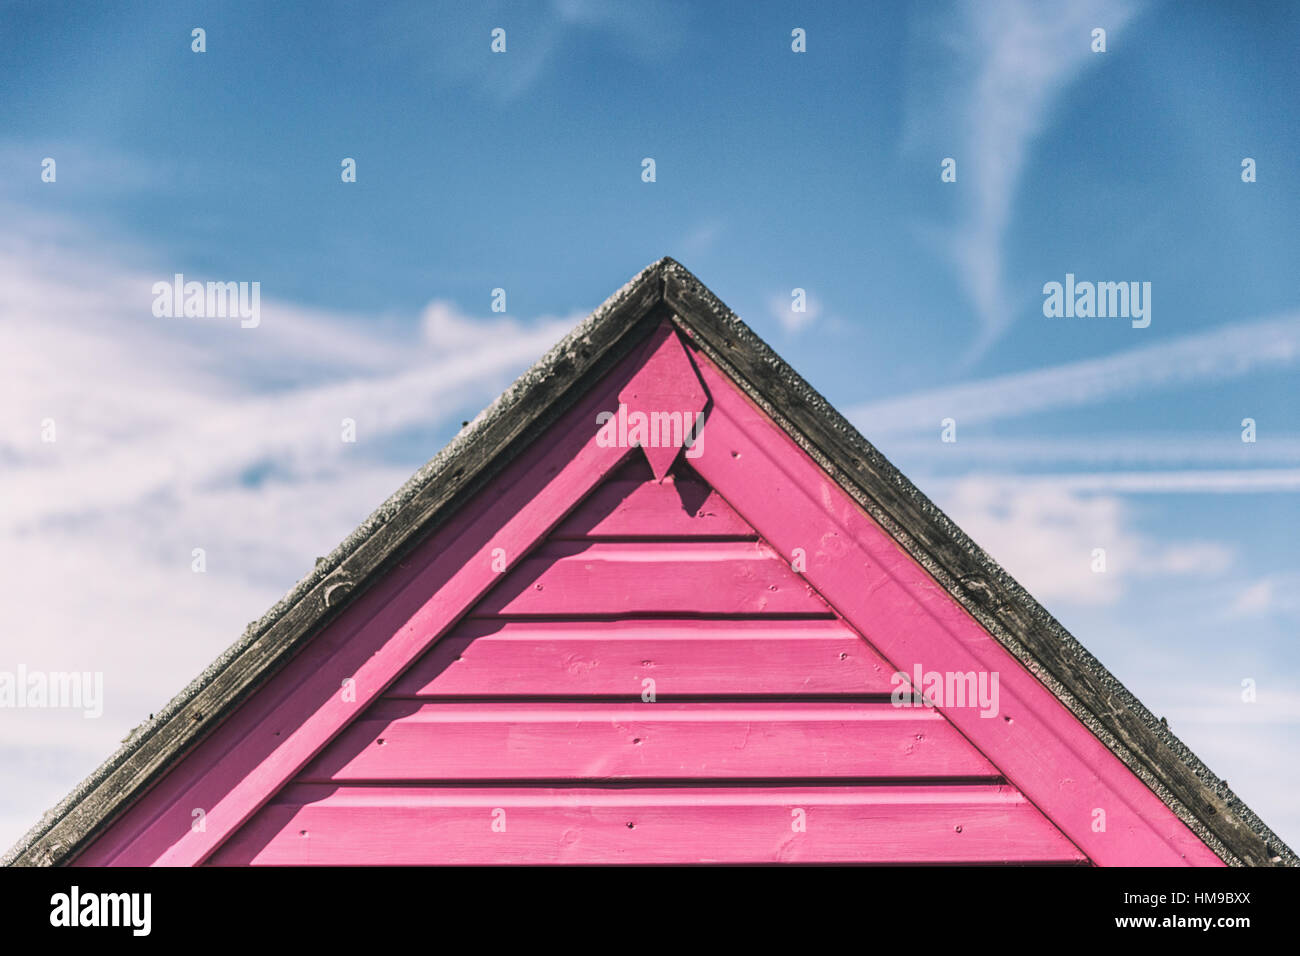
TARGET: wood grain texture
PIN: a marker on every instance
(567, 578)
(675, 592)
(974, 579)
(261, 747)
(412, 826)
(508, 697)
(664, 384)
(431, 499)
(409, 741)
(633, 506)
(535, 659)
(890, 599)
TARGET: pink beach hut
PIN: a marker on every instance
(658, 604)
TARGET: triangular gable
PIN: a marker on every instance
(653, 684)
(533, 498)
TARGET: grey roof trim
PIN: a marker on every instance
(1200, 798)
(988, 593)
(416, 509)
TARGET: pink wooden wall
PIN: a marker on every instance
(512, 725)
(765, 702)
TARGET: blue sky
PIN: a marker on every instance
(775, 170)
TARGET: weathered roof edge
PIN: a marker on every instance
(488, 442)
(998, 602)
(1024, 627)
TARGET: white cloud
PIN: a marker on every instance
(1254, 599)
(779, 306)
(1275, 701)
(1260, 480)
(175, 434)
(1249, 745)
(702, 238)
(1277, 593)
(139, 409)
(1144, 449)
(1005, 61)
(1044, 535)
(542, 40)
(1220, 354)
(445, 327)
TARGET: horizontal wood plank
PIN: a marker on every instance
(568, 578)
(409, 740)
(486, 657)
(888, 596)
(413, 826)
(682, 506)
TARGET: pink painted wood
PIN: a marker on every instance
(255, 752)
(309, 824)
(665, 384)
(633, 506)
(413, 741)
(1040, 746)
(767, 698)
(696, 657)
(561, 579)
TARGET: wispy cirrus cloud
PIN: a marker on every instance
(702, 238)
(1244, 481)
(179, 434)
(1045, 533)
(1228, 352)
(1003, 64)
(1146, 449)
(456, 46)
(1274, 593)
(780, 307)
(152, 406)
(1082, 485)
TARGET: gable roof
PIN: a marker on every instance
(663, 291)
